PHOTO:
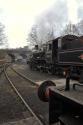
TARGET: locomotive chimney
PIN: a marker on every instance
(36, 47)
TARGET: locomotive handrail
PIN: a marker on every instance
(75, 49)
(77, 84)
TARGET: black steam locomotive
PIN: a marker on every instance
(59, 55)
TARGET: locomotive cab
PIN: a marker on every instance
(53, 48)
(70, 55)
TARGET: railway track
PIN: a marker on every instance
(25, 89)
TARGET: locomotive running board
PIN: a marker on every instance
(60, 103)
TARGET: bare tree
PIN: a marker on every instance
(80, 27)
(40, 34)
(3, 38)
(70, 29)
(32, 36)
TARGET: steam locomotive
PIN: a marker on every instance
(63, 55)
(59, 55)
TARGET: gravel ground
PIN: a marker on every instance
(11, 108)
(29, 93)
(34, 75)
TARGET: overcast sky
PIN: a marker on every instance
(19, 15)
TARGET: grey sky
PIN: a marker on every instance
(19, 15)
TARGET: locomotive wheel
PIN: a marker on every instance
(43, 90)
(49, 70)
(41, 69)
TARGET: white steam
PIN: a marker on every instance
(72, 11)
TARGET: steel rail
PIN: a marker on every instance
(34, 83)
(19, 95)
(2, 66)
(24, 77)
